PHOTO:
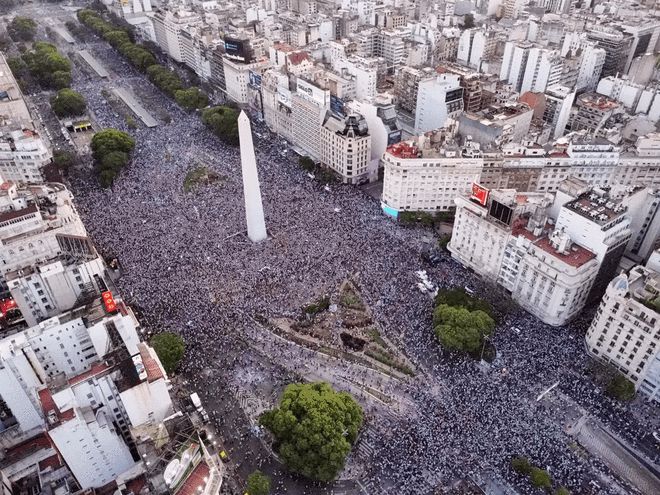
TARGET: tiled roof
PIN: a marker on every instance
(197, 478)
(150, 364)
(96, 369)
(48, 405)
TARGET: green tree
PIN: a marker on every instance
(170, 349)
(63, 160)
(191, 98)
(443, 241)
(458, 297)
(51, 69)
(307, 164)
(109, 140)
(165, 79)
(117, 37)
(562, 490)
(540, 478)
(521, 465)
(115, 160)
(60, 80)
(314, 428)
(68, 102)
(22, 29)
(460, 329)
(223, 122)
(258, 484)
(106, 177)
(621, 388)
(17, 66)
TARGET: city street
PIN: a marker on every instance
(190, 268)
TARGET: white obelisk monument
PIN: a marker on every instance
(254, 210)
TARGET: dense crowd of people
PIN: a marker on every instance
(189, 267)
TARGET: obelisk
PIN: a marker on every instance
(254, 209)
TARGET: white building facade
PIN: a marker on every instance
(626, 329)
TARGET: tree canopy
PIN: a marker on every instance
(68, 102)
(258, 484)
(458, 297)
(314, 428)
(223, 122)
(110, 149)
(540, 478)
(460, 329)
(22, 29)
(50, 68)
(170, 349)
(621, 388)
(165, 79)
(191, 98)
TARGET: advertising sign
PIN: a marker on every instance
(255, 79)
(394, 137)
(480, 193)
(311, 92)
(337, 106)
(284, 96)
(238, 50)
(109, 302)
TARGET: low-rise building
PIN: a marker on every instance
(510, 239)
(427, 174)
(346, 148)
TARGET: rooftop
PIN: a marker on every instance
(575, 256)
(197, 478)
(597, 102)
(599, 208)
(96, 369)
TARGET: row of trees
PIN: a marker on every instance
(143, 59)
(462, 322)
(537, 476)
(111, 150)
(425, 218)
(221, 120)
(45, 65)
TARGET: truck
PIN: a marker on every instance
(194, 398)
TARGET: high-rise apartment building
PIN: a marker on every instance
(514, 62)
(309, 105)
(167, 28)
(23, 152)
(626, 329)
(616, 45)
(34, 223)
(543, 69)
(558, 104)
(438, 99)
